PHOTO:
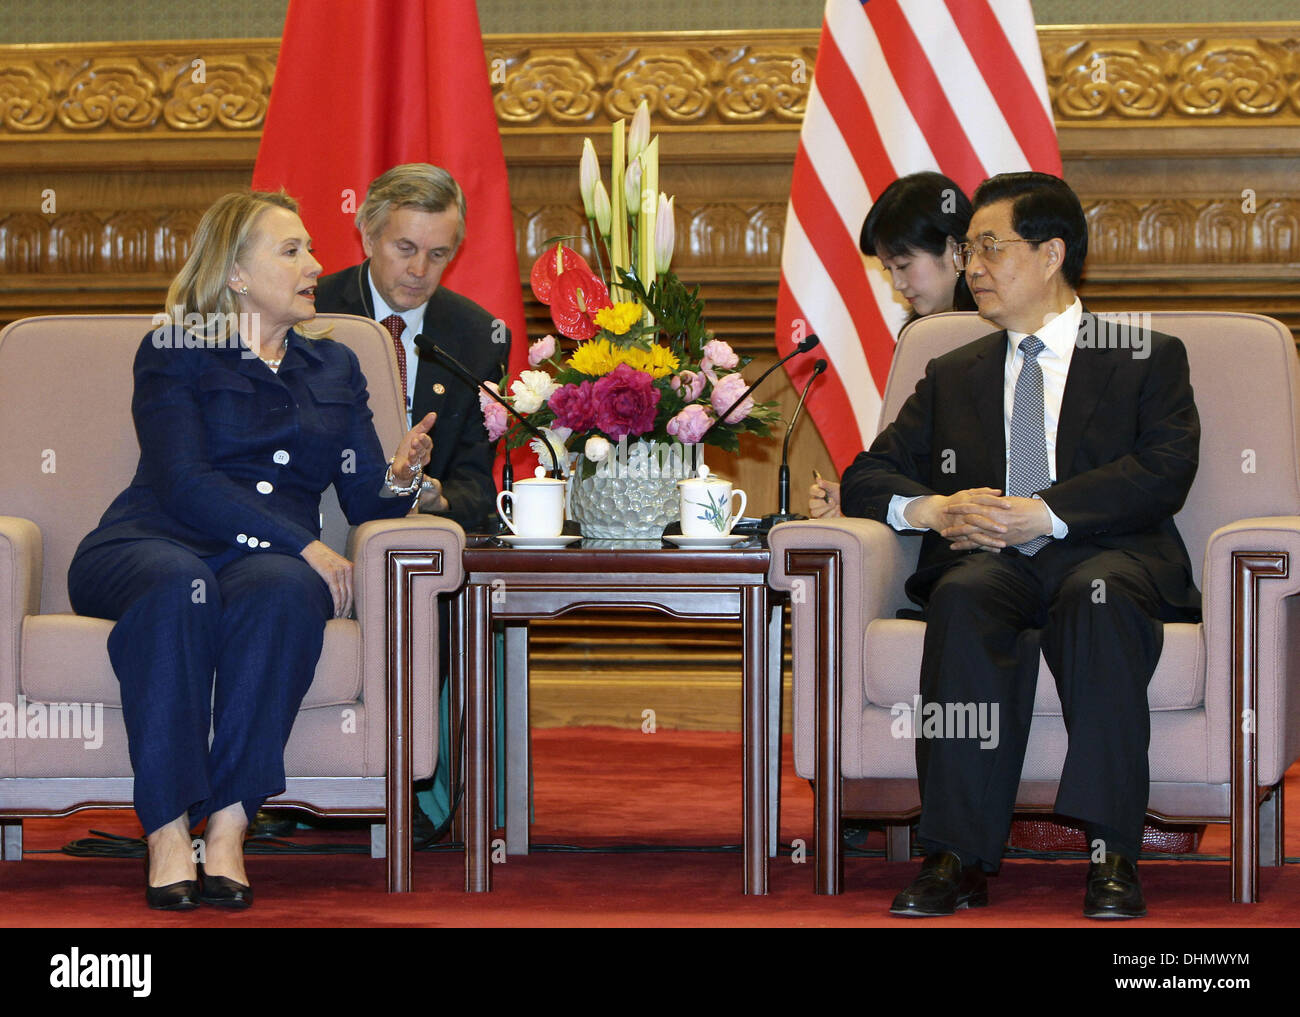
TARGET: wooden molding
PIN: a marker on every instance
(1113, 75)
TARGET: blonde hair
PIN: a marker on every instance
(410, 185)
(202, 287)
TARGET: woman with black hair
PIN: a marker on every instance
(914, 229)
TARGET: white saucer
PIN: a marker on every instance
(724, 540)
(562, 541)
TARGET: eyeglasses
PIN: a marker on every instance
(987, 246)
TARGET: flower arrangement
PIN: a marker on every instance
(644, 365)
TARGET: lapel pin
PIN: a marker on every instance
(439, 388)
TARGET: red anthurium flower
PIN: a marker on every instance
(545, 270)
(575, 298)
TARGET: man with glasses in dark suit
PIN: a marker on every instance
(1044, 469)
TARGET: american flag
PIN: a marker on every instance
(900, 86)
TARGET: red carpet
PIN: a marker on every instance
(600, 786)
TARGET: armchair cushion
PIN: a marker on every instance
(50, 641)
(891, 654)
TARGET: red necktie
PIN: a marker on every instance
(396, 326)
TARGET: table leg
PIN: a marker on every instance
(518, 736)
(775, 665)
(754, 625)
(456, 711)
(478, 724)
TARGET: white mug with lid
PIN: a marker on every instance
(707, 505)
(536, 506)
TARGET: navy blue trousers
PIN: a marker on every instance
(225, 645)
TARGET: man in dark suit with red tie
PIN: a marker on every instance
(412, 223)
(1044, 463)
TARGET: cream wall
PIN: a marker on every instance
(25, 21)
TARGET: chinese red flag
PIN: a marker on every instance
(362, 87)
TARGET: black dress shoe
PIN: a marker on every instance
(943, 886)
(225, 892)
(1114, 890)
(181, 896)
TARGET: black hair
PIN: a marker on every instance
(1043, 208)
(918, 212)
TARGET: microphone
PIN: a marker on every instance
(426, 345)
(783, 514)
(803, 347)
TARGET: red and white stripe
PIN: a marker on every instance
(901, 86)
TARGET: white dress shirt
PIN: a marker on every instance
(414, 319)
(1058, 337)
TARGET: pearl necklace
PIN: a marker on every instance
(274, 365)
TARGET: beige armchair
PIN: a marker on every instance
(1225, 720)
(69, 447)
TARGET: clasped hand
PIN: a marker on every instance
(982, 518)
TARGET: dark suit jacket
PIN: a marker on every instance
(215, 423)
(1126, 450)
(462, 455)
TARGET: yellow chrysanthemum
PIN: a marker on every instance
(594, 358)
(658, 361)
(618, 319)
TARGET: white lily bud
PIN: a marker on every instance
(639, 136)
(665, 233)
(632, 187)
(588, 176)
(600, 207)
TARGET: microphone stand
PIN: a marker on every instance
(783, 513)
(427, 345)
(808, 343)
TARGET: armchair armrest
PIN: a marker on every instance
(874, 562)
(21, 562)
(1276, 611)
(368, 548)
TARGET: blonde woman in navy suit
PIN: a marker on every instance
(210, 562)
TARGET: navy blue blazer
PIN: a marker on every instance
(234, 455)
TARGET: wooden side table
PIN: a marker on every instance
(515, 585)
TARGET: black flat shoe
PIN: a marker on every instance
(1114, 890)
(224, 892)
(944, 886)
(181, 896)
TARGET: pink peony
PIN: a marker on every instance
(574, 407)
(541, 350)
(495, 419)
(689, 425)
(725, 392)
(719, 354)
(690, 384)
(626, 400)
